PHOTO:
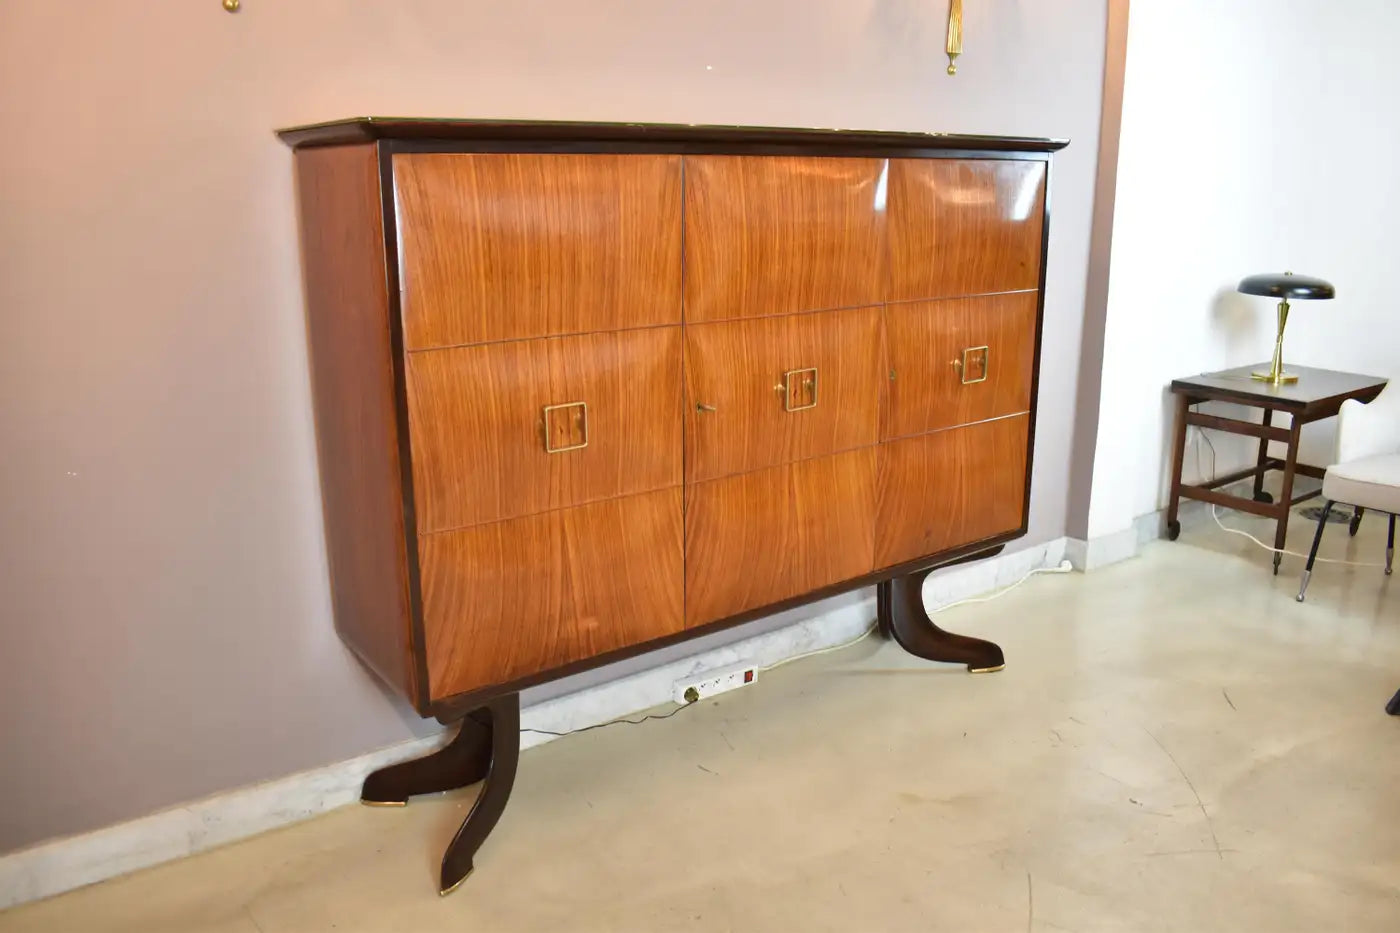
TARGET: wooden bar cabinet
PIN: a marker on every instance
(583, 390)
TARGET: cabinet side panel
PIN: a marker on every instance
(352, 380)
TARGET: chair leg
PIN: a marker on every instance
(1355, 525)
(1390, 547)
(1312, 555)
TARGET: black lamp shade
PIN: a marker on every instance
(1287, 285)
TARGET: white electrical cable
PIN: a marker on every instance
(812, 654)
(1064, 567)
(1244, 534)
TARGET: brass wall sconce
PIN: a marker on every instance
(954, 35)
(1283, 287)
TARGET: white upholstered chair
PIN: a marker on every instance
(1367, 469)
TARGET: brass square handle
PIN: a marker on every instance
(975, 365)
(565, 427)
(799, 388)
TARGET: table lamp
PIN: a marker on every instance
(1283, 287)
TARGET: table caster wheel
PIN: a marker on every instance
(1264, 497)
(1173, 530)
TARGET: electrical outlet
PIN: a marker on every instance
(704, 684)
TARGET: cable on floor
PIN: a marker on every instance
(1062, 568)
(1244, 534)
(614, 722)
(812, 654)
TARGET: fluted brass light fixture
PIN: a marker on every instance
(954, 34)
(1283, 287)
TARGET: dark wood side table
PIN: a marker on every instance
(1317, 394)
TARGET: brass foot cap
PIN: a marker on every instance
(456, 884)
(986, 670)
(384, 803)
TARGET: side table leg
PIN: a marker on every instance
(1285, 503)
(1260, 469)
(1178, 457)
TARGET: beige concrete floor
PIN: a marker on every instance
(1175, 744)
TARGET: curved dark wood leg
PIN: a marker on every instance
(504, 728)
(462, 761)
(487, 747)
(900, 606)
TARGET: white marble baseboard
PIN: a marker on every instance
(72, 862)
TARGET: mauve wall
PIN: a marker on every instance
(166, 629)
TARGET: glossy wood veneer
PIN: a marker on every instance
(357, 425)
(409, 141)
(774, 235)
(478, 424)
(946, 488)
(736, 417)
(502, 246)
(926, 341)
(509, 599)
(962, 227)
(762, 537)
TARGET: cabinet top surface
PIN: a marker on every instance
(364, 129)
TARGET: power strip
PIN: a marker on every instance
(713, 682)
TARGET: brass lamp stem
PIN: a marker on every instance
(1276, 375)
